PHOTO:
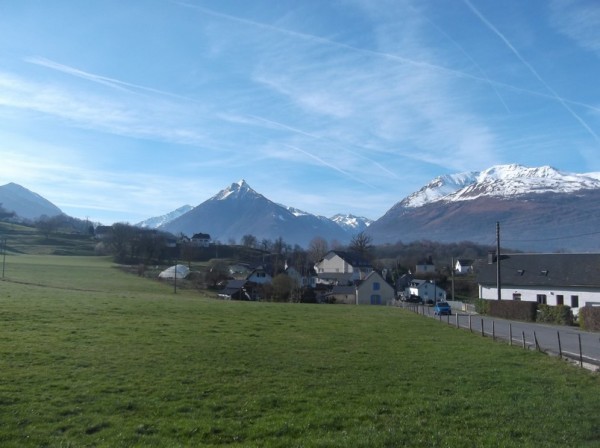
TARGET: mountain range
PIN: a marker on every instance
(539, 209)
(239, 210)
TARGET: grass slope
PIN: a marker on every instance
(22, 239)
(90, 356)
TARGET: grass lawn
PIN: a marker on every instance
(91, 356)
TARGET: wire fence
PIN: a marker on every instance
(570, 343)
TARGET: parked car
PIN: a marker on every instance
(413, 299)
(442, 308)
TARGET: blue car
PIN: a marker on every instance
(442, 308)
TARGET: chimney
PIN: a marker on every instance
(491, 257)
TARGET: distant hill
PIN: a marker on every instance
(539, 209)
(26, 204)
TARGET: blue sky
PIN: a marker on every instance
(119, 111)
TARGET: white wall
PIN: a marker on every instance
(530, 295)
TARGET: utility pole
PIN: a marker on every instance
(498, 280)
(452, 271)
(3, 256)
(175, 278)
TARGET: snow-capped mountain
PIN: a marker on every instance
(239, 210)
(500, 181)
(25, 203)
(439, 188)
(538, 208)
(157, 221)
(352, 224)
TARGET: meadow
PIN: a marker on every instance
(92, 356)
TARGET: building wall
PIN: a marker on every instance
(375, 291)
(584, 295)
(333, 263)
(428, 291)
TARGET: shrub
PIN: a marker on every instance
(560, 314)
(512, 309)
(482, 306)
(589, 318)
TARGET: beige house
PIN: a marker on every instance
(374, 290)
(342, 268)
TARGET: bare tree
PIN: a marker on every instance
(317, 249)
(249, 241)
(362, 244)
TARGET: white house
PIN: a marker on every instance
(551, 279)
(200, 240)
(426, 290)
(463, 266)
(339, 267)
(425, 267)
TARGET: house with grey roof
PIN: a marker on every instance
(342, 268)
(551, 279)
(372, 290)
(463, 266)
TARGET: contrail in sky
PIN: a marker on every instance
(401, 59)
(533, 71)
(110, 82)
(308, 134)
(329, 165)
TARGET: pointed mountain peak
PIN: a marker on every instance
(236, 190)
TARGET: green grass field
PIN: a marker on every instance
(91, 356)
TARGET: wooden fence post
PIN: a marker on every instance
(580, 353)
(559, 346)
(523, 335)
(482, 333)
(510, 334)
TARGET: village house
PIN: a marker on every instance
(463, 266)
(342, 268)
(426, 290)
(373, 290)
(550, 279)
(200, 240)
(425, 267)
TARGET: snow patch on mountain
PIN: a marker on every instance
(157, 221)
(237, 189)
(500, 181)
(351, 223)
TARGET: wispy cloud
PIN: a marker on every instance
(579, 20)
(139, 118)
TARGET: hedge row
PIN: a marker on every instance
(589, 318)
(513, 309)
(560, 314)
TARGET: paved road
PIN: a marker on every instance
(548, 336)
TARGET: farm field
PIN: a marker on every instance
(92, 356)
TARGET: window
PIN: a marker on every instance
(376, 286)
(560, 299)
(541, 299)
(517, 296)
(574, 301)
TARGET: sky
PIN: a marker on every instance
(118, 111)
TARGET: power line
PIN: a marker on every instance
(555, 238)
